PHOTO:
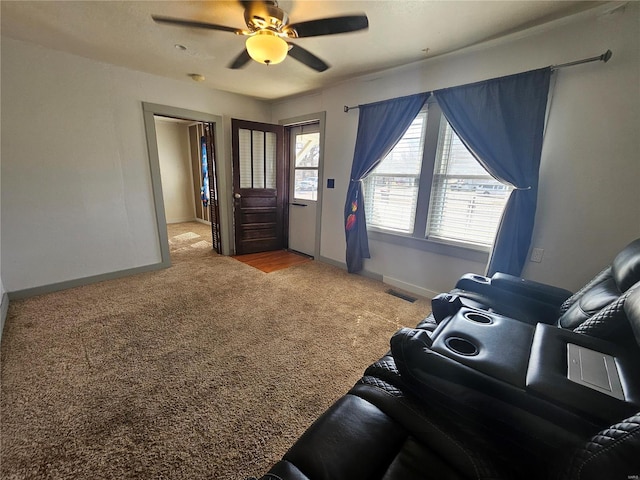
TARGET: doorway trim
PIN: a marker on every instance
(224, 179)
(320, 118)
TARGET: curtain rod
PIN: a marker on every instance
(605, 57)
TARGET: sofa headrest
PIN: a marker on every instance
(626, 266)
(632, 310)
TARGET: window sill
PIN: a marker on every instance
(467, 252)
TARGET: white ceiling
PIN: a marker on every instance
(400, 32)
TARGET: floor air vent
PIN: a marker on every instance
(403, 296)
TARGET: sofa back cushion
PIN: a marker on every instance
(626, 266)
(604, 289)
(592, 301)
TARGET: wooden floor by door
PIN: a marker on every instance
(272, 261)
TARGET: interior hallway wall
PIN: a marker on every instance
(175, 170)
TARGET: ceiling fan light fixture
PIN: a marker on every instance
(267, 47)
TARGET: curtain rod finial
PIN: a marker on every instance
(606, 56)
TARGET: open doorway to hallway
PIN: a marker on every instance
(188, 175)
(222, 172)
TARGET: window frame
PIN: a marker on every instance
(417, 239)
(310, 128)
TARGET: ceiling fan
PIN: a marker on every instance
(268, 30)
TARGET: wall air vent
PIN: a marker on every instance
(401, 295)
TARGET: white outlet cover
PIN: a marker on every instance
(536, 255)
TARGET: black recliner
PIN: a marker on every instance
(534, 302)
(405, 420)
(483, 395)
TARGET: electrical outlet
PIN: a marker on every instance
(536, 255)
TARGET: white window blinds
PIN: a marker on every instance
(391, 190)
(466, 202)
(257, 154)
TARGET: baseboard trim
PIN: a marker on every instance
(80, 282)
(332, 262)
(343, 266)
(4, 308)
(181, 220)
(409, 287)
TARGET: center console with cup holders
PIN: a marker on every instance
(541, 376)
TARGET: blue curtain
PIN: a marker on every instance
(380, 126)
(501, 121)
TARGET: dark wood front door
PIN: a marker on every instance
(258, 186)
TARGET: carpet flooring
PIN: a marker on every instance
(208, 369)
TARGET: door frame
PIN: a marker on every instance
(320, 118)
(224, 170)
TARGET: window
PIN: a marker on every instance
(305, 162)
(431, 187)
(391, 190)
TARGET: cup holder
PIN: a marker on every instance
(478, 317)
(461, 346)
(480, 278)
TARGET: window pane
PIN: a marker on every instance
(270, 160)
(466, 202)
(306, 185)
(391, 190)
(258, 159)
(307, 149)
(390, 202)
(406, 156)
(257, 155)
(244, 153)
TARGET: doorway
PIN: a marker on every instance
(222, 173)
(304, 138)
(259, 186)
(277, 184)
(304, 152)
(188, 171)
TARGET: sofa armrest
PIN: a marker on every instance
(529, 288)
(510, 284)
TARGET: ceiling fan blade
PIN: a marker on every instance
(330, 26)
(241, 60)
(247, 3)
(308, 58)
(193, 23)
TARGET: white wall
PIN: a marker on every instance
(76, 185)
(175, 170)
(589, 204)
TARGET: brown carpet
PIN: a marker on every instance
(208, 369)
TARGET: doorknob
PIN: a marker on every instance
(237, 195)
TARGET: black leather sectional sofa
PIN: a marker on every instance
(507, 378)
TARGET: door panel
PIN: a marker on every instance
(258, 181)
(304, 151)
(214, 209)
